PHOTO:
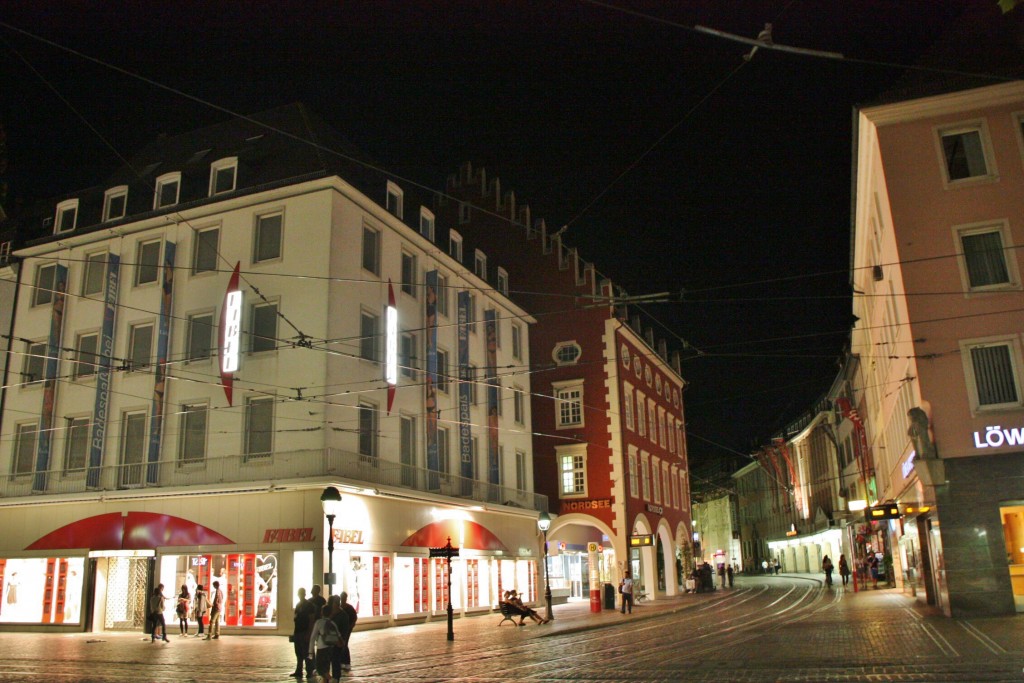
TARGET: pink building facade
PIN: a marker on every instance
(936, 274)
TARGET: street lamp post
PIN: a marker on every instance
(330, 499)
(544, 523)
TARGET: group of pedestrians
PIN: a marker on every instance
(200, 607)
(321, 635)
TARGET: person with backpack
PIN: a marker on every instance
(305, 616)
(322, 641)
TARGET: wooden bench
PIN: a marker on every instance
(508, 613)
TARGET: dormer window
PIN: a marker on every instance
(115, 203)
(503, 281)
(67, 216)
(222, 175)
(427, 224)
(463, 212)
(167, 187)
(455, 245)
(394, 200)
(480, 264)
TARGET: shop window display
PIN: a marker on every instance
(41, 590)
(247, 580)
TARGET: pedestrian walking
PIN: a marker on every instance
(721, 575)
(764, 566)
(318, 601)
(305, 617)
(322, 640)
(826, 566)
(728, 574)
(157, 607)
(340, 618)
(626, 589)
(346, 652)
(182, 610)
(216, 607)
(778, 566)
(844, 569)
(201, 607)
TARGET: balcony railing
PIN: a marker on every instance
(272, 467)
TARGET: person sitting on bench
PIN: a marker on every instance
(512, 598)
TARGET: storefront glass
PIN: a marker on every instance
(1013, 533)
(41, 590)
(249, 582)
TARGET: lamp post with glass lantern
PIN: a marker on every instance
(330, 499)
(544, 523)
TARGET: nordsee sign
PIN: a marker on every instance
(997, 437)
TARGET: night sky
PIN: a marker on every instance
(736, 187)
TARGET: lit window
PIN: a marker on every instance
(267, 238)
(67, 216)
(115, 203)
(567, 353)
(574, 474)
(222, 175)
(569, 405)
(167, 187)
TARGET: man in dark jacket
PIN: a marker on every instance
(305, 616)
(339, 655)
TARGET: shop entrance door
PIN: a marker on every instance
(121, 588)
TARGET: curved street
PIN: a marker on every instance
(787, 628)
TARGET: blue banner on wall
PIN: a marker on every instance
(430, 324)
(101, 408)
(465, 394)
(491, 327)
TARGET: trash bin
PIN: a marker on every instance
(609, 596)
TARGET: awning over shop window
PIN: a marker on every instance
(464, 534)
(133, 531)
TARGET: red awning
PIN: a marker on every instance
(134, 531)
(435, 535)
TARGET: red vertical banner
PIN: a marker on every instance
(425, 582)
(204, 572)
(48, 590)
(441, 585)
(3, 575)
(417, 590)
(500, 586)
(62, 587)
(376, 586)
(472, 583)
(246, 586)
(532, 578)
(385, 586)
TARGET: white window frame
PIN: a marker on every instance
(257, 236)
(407, 366)
(522, 481)
(35, 355)
(981, 127)
(119, 192)
(73, 423)
(43, 296)
(627, 401)
(645, 475)
(68, 207)
(568, 392)
(656, 480)
(408, 284)
(132, 342)
(576, 456)
(480, 264)
(26, 436)
(442, 295)
(225, 164)
(83, 369)
(248, 453)
(518, 406)
(427, 223)
(263, 339)
(370, 234)
(443, 370)
(96, 259)
(188, 409)
(192, 326)
(369, 342)
(503, 281)
(641, 414)
(139, 265)
(634, 480)
(455, 245)
(556, 353)
(201, 243)
(517, 342)
(1009, 261)
(394, 201)
(1012, 342)
(163, 181)
(368, 450)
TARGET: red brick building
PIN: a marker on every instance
(607, 403)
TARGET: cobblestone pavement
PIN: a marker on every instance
(765, 629)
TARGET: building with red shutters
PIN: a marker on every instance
(609, 447)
